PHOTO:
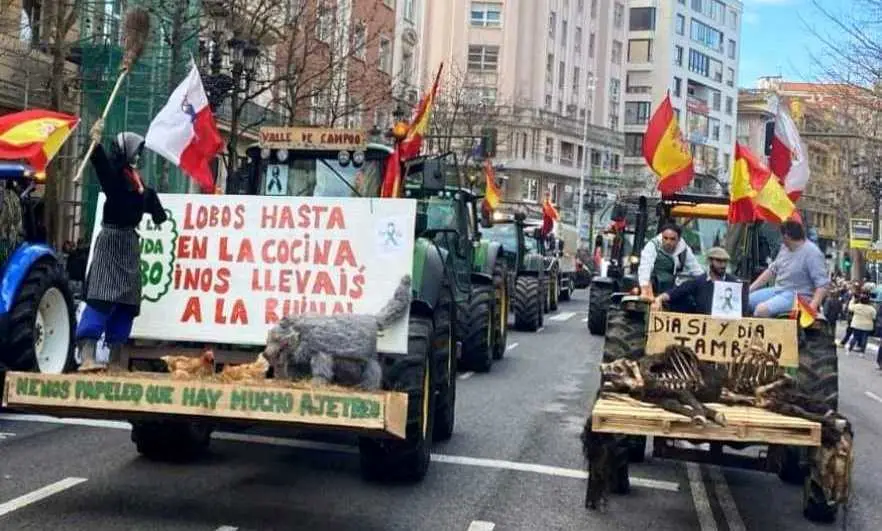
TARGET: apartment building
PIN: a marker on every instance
(406, 64)
(689, 48)
(552, 70)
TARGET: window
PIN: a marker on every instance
(716, 100)
(642, 19)
(481, 94)
(730, 77)
(727, 133)
(325, 19)
(563, 33)
(702, 33)
(552, 23)
(561, 74)
(726, 161)
(638, 82)
(677, 86)
(713, 9)
(617, 52)
(593, 8)
(407, 64)
(678, 55)
(615, 86)
(485, 14)
(731, 50)
(733, 19)
(637, 112)
(729, 105)
(716, 70)
(529, 189)
(359, 47)
(567, 151)
(714, 128)
(699, 63)
(618, 15)
(549, 68)
(549, 149)
(640, 51)
(578, 37)
(680, 25)
(577, 79)
(385, 58)
(483, 58)
(591, 45)
(580, 5)
(633, 144)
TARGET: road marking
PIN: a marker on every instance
(541, 328)
(465, 375)
(480, 525)
(727, 502)
(512, 346)
(564, 316)
(347, 449)
(585, 320)
(699, 497)
(874, 396)
(39, 494)
(6, 435)
(227, 528)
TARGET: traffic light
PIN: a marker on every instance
(846, 263)
(488, 142)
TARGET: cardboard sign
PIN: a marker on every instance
(315, 138)
(226, 268)
(720, 340)
(385, 411)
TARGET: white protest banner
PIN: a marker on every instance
(226, 268)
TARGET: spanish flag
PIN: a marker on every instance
(666, 152)
(391, 186)
(803, 311)
(419, 126)
(492, 195)
(755, 193)
(34, 136)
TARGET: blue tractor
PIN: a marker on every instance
(37, 322)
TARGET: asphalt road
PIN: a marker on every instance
(514, 463)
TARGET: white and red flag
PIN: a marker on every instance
(788, 159)
(185, 133)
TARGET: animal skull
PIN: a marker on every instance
(621, 375)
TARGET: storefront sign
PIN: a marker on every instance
(314, 138)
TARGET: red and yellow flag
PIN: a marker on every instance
(803, 311)
(755, 193)
(392, 175)
(34, 136)
(492, 195)
(419, 126)
(666, 152)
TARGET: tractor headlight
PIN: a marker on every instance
(633, 260)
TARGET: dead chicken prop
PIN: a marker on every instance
(189, 367)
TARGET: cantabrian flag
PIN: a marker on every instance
(419, 126)
(492, 195)
(755, 193)
(666, 152)
(35, 136)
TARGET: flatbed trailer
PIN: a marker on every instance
(141, 396)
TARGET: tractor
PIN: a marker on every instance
(37, 324)
(751, 246)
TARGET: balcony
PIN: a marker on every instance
(563, 125)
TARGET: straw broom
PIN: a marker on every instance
(136, 31)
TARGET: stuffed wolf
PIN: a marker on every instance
(339, 349)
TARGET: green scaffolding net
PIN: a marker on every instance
(164, 63)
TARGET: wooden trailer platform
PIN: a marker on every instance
(614, 413)
(128, 396)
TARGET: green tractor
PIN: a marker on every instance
(751, 246)
(534, 284)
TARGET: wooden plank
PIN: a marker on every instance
(616, 414)
(718, 340)
(157, 394)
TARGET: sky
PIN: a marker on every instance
(778, 37)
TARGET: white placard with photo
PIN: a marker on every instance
(727, 300)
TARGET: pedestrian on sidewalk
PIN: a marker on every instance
(113, 282)
(862, 322)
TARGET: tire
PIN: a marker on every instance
(444, 354)
(527, 304)
(553, 290)
(174, 441)
(567, 288)
(407, 460)
(814, 503)
(502, 305)
(477, 321)
(598, 305)
(818, 374)
(42, 323)
(626, 338)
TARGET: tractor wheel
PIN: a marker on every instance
(444, 354)
(828, 481)
(598, 305)
(567, 288)
(503, 301)
(528, 304)
(553, 290)
(626, 338)
(175, 441)
(42, 324)
(407, 460)
(478, 321)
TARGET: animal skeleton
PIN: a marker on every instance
(338, 348)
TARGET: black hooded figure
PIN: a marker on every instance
(113, 283)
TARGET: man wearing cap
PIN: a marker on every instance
(701, 288)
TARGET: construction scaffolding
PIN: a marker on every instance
(164, 63)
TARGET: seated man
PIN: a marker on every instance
(662, 259)
(701, 288)
(799, 268)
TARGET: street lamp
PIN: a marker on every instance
(585, 158)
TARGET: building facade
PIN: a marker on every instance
(406, 64)
(549, 73)
(689, 49)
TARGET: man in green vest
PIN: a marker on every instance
(664, 258)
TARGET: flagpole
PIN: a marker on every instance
(584, 169)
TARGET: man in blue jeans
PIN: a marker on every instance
(799, 268)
